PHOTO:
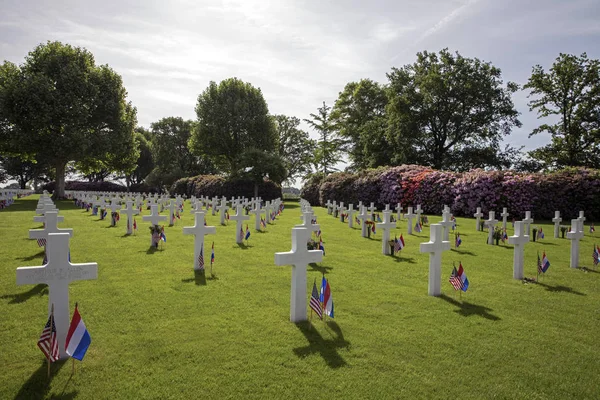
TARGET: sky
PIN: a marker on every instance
(299, 53)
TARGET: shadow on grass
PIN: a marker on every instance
(586, 269)
(398, 258)
(467, 309)
(470, 253)
(327, 348)
(243, 246)
(290, 205)
(255, 231)
(152, 250)
(38, 384)
(199, 278)
(559, 288)
(31, 257)
(323, 269)
(38, 290)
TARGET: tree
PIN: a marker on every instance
(360, 118)
(232, 117)
(260, 164)
(22, 171)
(445, 107)
(171, 153)
(329, 147)
(295, 147)
(145, 162)
(571, 92)
(58, 107)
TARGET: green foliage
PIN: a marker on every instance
(259, 164)
(295, 147)
(221, 186)
(445, 107)
(145, 161)
(232, 117)
(58, 106)
(359, 115)
(569, 92)
(329, 147)
(20, 170)
(310, 190)
(170, 150)
(163, 332)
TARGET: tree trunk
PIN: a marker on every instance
(22, 182)
(59, 187)
(255, 190)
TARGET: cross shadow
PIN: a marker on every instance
(321, 268)
(244, 246)
(110, 226)
(199, 278)
(398, 258)
(151, 250)
(40, 289)
(327, 348)
(213, 277)
(470, 253)
(255, 231)
(127, 234)
(545, 243)
(31, 257)
(586, 269)
(560, 288)
(467, 309)
(38, 384)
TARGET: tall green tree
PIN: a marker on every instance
(329, 146)
(359, 115)
(295, 147)
(23, 171)
(145, 162)
(233, 117)
(569, 93)
(58, 107)
(171, 154)
(446, 107)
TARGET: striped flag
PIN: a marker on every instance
(595, 255)
(315, 305)
(539, 264)
(545, 263)
(241, 234)
(263, 224)
(41, 242)
(47, 342)
(464, 282)
(457, 240)
(134, 225)
(212, 254)
(455, 280)
(418, 228)
(592, 229)
(78, 337)
(399, 245)
(247, 233)
(201, 260)
(321, 247)
(541, 234)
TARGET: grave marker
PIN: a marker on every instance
(435, 247)
(519, 239)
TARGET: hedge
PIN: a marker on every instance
(220, 186)
(567, 191)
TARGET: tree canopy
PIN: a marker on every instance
(329, 146)
(58, 106)
(568, 93)
(233, 117)
(295, 147)
(446, 109)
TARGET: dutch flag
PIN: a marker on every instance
(78, 338)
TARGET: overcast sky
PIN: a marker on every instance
(300, 53)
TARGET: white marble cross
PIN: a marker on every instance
(114, 207)
(363, 216)
(581, 220)
(350, 212)
(446, 223)
(342, 211)
(42, 218)
(45, 207)
(172, 206)
(557, 220)
(410, 216)
(418, 211)
(385, 226)
(478, 215)
(239, 219)
(199, 230)
(57, 274)
(491, 225)
(328, 205)
(574, 235)
(334, 207)
(519, 240)
(307, 217)
(372, 209)
(222, 209)
(214, 205)
(49, 227)
(504, 216)
(299, 257)
(527, 221)
(154, 218)
(435, 247)
(398, 212)
(129, 211)
(257, 211)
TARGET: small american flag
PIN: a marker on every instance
(315, 304)
(201, 260)
(41, 242)
(539, 265)
(596, 255)
(48, 343)
(241, 234)
(399, 245)
(455, 279)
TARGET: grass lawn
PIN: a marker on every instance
(159, 332)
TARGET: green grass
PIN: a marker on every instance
(159, 332)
